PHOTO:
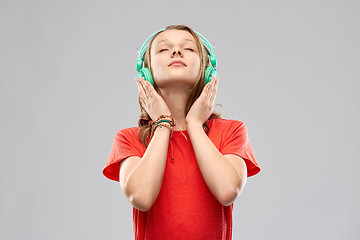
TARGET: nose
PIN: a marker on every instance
(176, 52)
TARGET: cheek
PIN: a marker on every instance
(156, 64)
(197, 64)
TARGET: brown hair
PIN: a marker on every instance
(144, 118)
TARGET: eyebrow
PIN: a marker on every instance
(166, 40)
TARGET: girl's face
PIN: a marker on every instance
(175, 45)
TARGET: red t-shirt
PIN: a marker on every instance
(185, 207)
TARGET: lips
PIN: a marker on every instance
(177, 63)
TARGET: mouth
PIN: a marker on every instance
(177, 63)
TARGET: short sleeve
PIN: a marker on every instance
(125, 145)
(237, 142)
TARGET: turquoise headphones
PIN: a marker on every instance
(144, 73)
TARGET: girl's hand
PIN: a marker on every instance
(151, 101)
(203, 107)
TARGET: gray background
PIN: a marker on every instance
(288, 69)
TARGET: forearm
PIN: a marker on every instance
(144, 182)
(219, 174)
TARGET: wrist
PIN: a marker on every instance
(162, 122)
(193, 124)
(163, 126)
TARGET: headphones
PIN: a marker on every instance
(145, 73)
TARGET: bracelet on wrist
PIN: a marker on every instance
(161, 125)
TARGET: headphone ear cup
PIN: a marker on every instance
(213, 60)
(147, 75)
(210, 72)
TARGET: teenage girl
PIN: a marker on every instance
(183, 166)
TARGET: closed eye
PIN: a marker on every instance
(189, 49)
(163, 50)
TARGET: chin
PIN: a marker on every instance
(180, 80)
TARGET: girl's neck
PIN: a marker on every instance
(176, 102)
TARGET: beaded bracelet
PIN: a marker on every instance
(163, 123)
(171, 128)
(164, 116)
(162, 119)
(168, 121)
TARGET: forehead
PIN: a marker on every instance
(173, 36)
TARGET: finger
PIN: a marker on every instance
(142, 102)
(153, 91)
(150, 89)
(211, 90)
(214, 90)
(146, 91)
(141, 90)
(211, 86)
(205, 91)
